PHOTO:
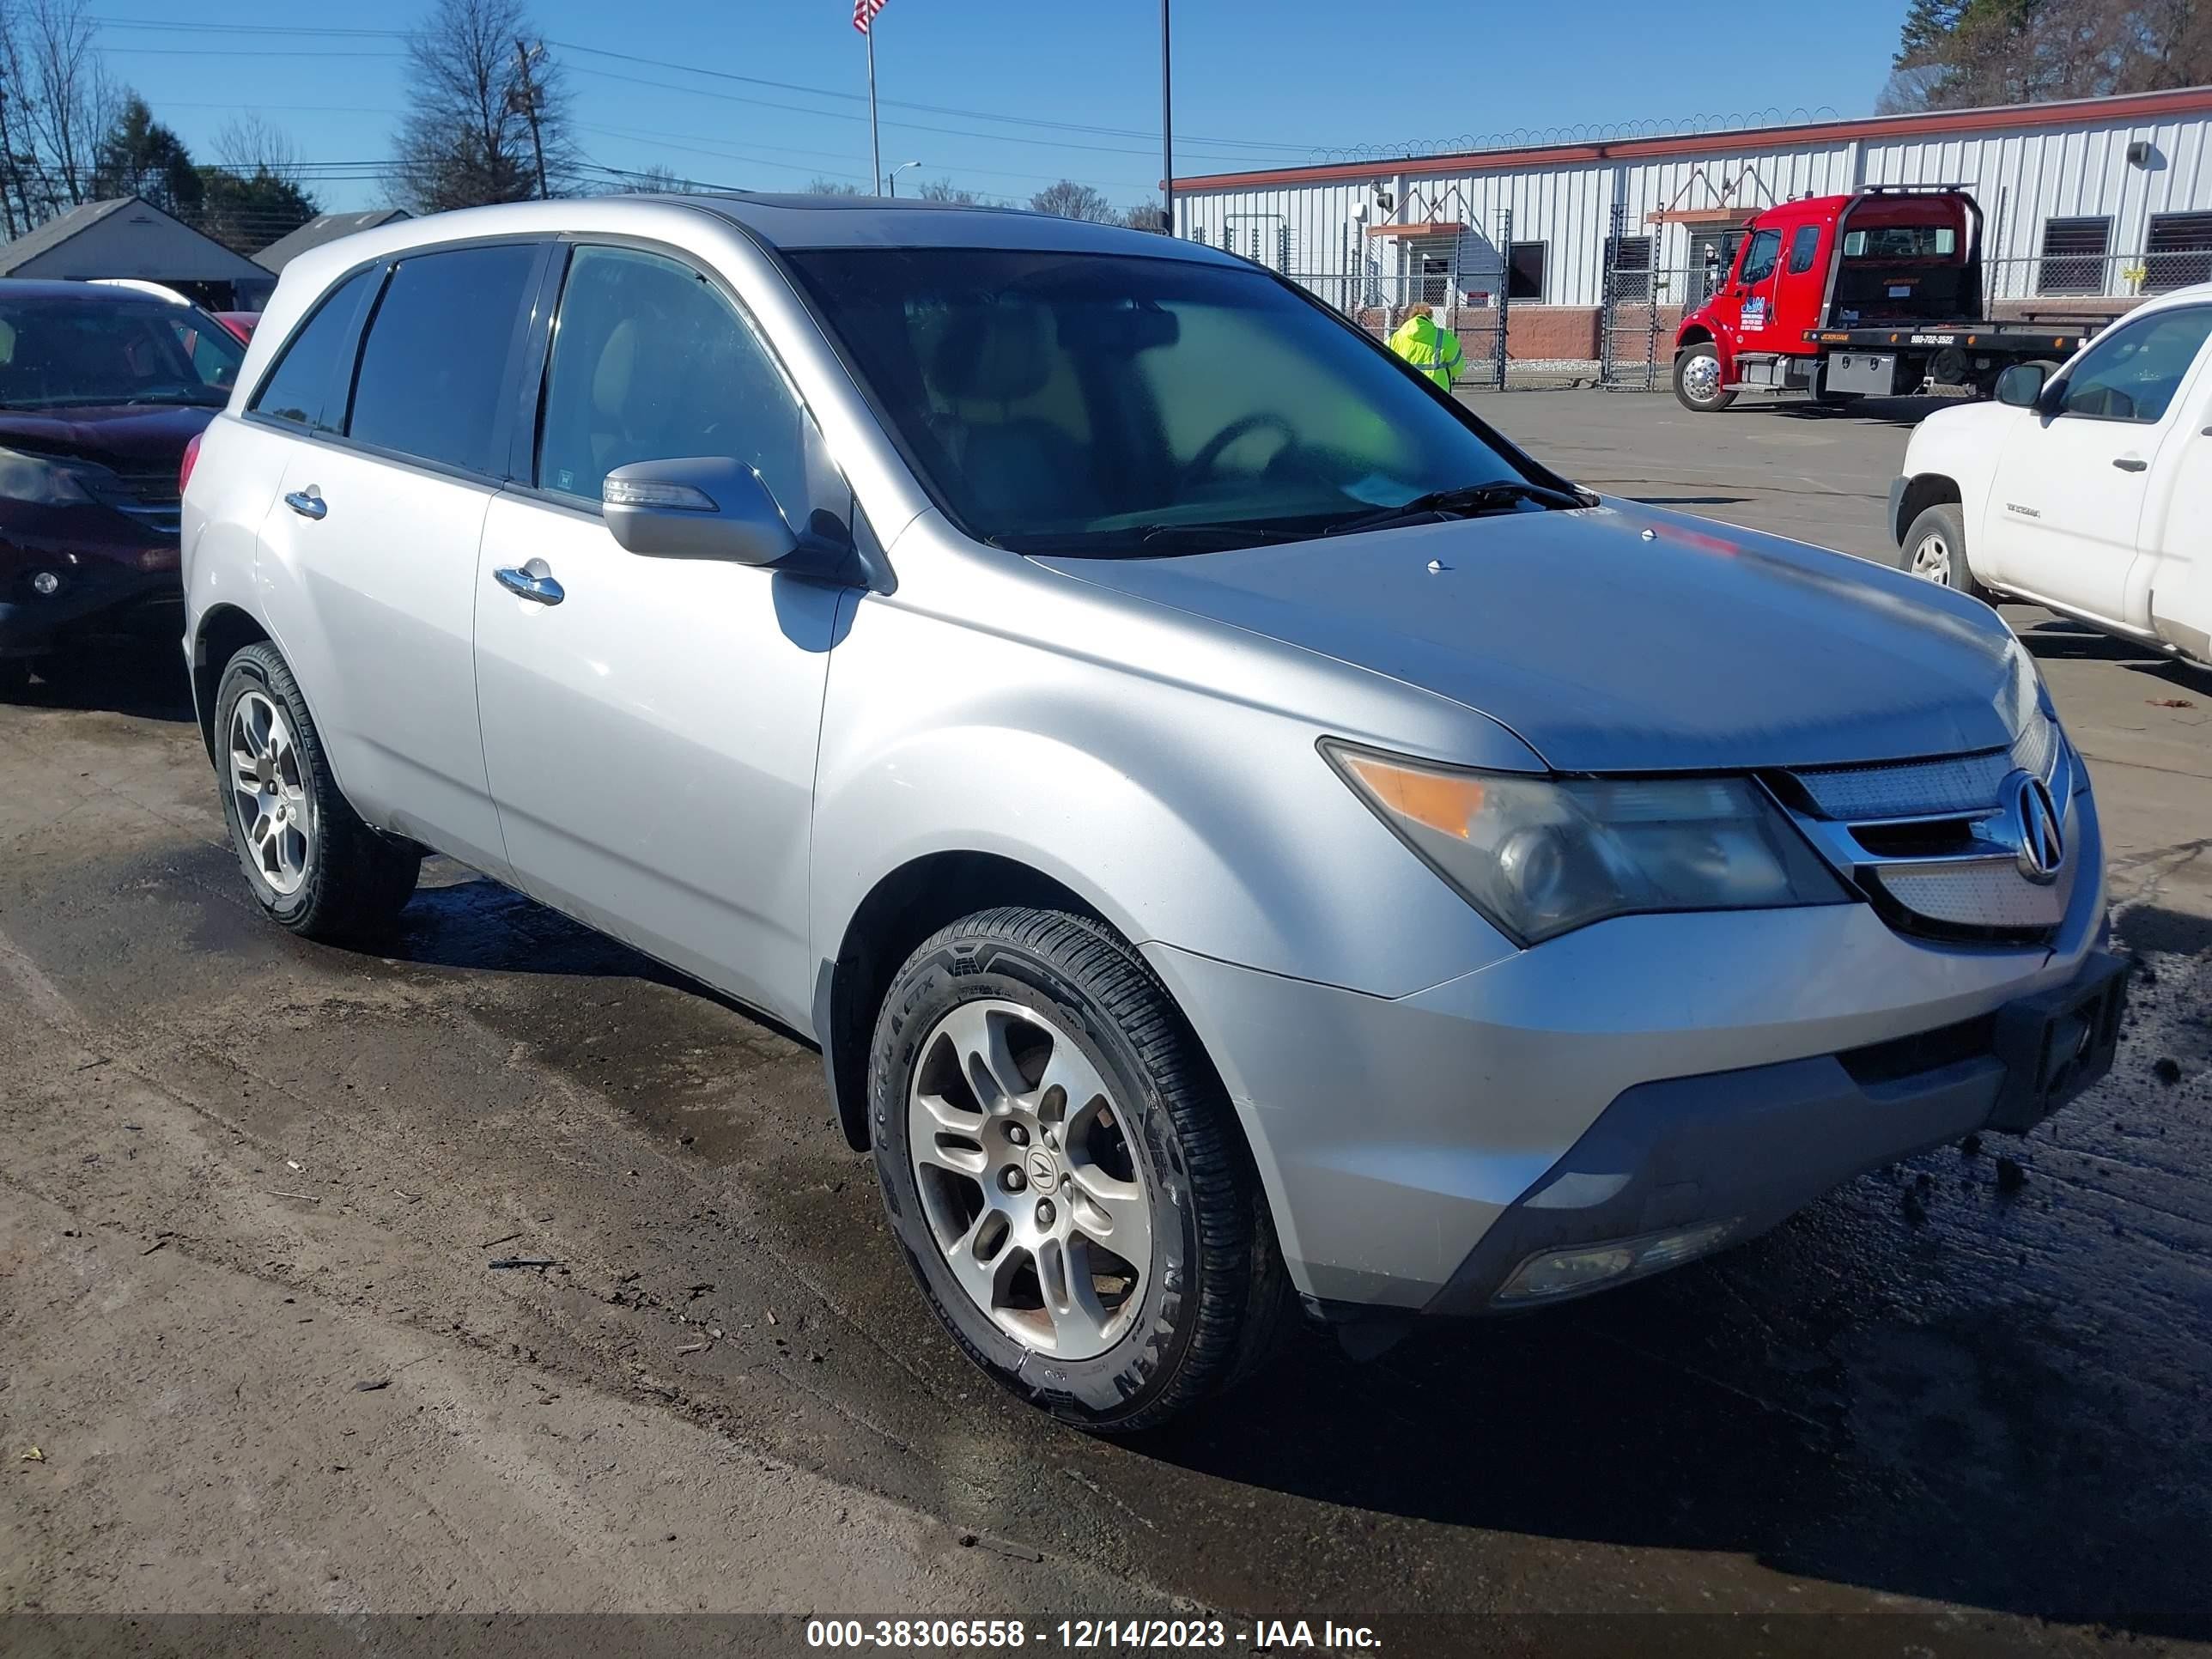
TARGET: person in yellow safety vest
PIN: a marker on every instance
(1432, 350)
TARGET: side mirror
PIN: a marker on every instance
(701, 507)
(2021, 385)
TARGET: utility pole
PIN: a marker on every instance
(523, 99)
(1167, 126)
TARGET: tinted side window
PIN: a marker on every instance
(1802, 247)
(433, 368)
(2132, 374)
(1759, 256)
(651, 363)
(309, 374)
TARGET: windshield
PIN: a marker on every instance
(58, 353)
(1101, 404)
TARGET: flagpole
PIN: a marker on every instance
(875, 144)
(1167, 124)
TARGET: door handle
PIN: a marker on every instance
(530, 584)
(307, 503)
(2131, 463)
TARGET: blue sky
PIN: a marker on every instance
(1257, 84)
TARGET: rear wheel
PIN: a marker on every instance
(1698, 380)
(14, 676)
(1935, 550)
(1064, 1175)
(314, 865)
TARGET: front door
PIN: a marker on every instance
(2067, 502)
(651, 735)
(1752, 293)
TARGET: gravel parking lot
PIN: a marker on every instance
(252, 1187)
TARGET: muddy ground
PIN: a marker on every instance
(255, 1357)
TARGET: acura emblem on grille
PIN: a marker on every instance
(2042, 843)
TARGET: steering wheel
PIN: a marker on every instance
(1202, 464)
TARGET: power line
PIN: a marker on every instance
(998, 117)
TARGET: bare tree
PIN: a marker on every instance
(1069, 200)
(55, 105)
(488, 111)
(944, 189)
(249, 144)
(821, 186)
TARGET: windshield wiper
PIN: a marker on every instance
(1464, 501)
(1136, 541)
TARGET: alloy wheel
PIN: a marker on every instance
(274, 813)
(1701, 378)
(1029, 1179)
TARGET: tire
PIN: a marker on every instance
(1689, 370)
(1063, 1000)
(314, 868)
(1935, 549)
(14, 676)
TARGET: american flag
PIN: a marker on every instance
(864, 13)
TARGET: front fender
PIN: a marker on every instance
(1182, 817)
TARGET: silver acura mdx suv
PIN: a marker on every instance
(1243, 834)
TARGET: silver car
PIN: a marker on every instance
(1244, 835)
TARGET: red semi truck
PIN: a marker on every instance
(1872, 294)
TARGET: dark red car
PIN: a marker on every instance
(100, 390)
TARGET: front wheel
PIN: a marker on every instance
(1698, 380)
(1064, 1173)
(314, 868)
(1935, 550)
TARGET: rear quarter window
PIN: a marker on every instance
(433, 367)
(307, 386)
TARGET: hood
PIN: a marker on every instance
(1619, 638)
(128, 437)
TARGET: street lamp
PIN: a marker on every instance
(898, 170)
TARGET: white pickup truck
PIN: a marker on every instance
(2087, 490)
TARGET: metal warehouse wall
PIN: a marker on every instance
(2022, 175)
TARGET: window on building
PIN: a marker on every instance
(2178, 252)
(2073, 259)
(1804, 248)
(308, 383)
(651, 363)
(1629, 259)
(433, 367)
(1524, 270)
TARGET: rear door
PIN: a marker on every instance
(379, 516)
(2066, 506)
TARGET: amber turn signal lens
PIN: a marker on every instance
(1437, 801)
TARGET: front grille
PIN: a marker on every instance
(150, 497)
(1935, 788)
(1925, 840)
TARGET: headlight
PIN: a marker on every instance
(1539, 856)
(35, 478)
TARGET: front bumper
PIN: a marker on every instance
(1395, 1136)
(92, 593)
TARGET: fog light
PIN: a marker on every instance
(1551, 1273)
(45, 583)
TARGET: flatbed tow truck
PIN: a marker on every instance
(1875, 295)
